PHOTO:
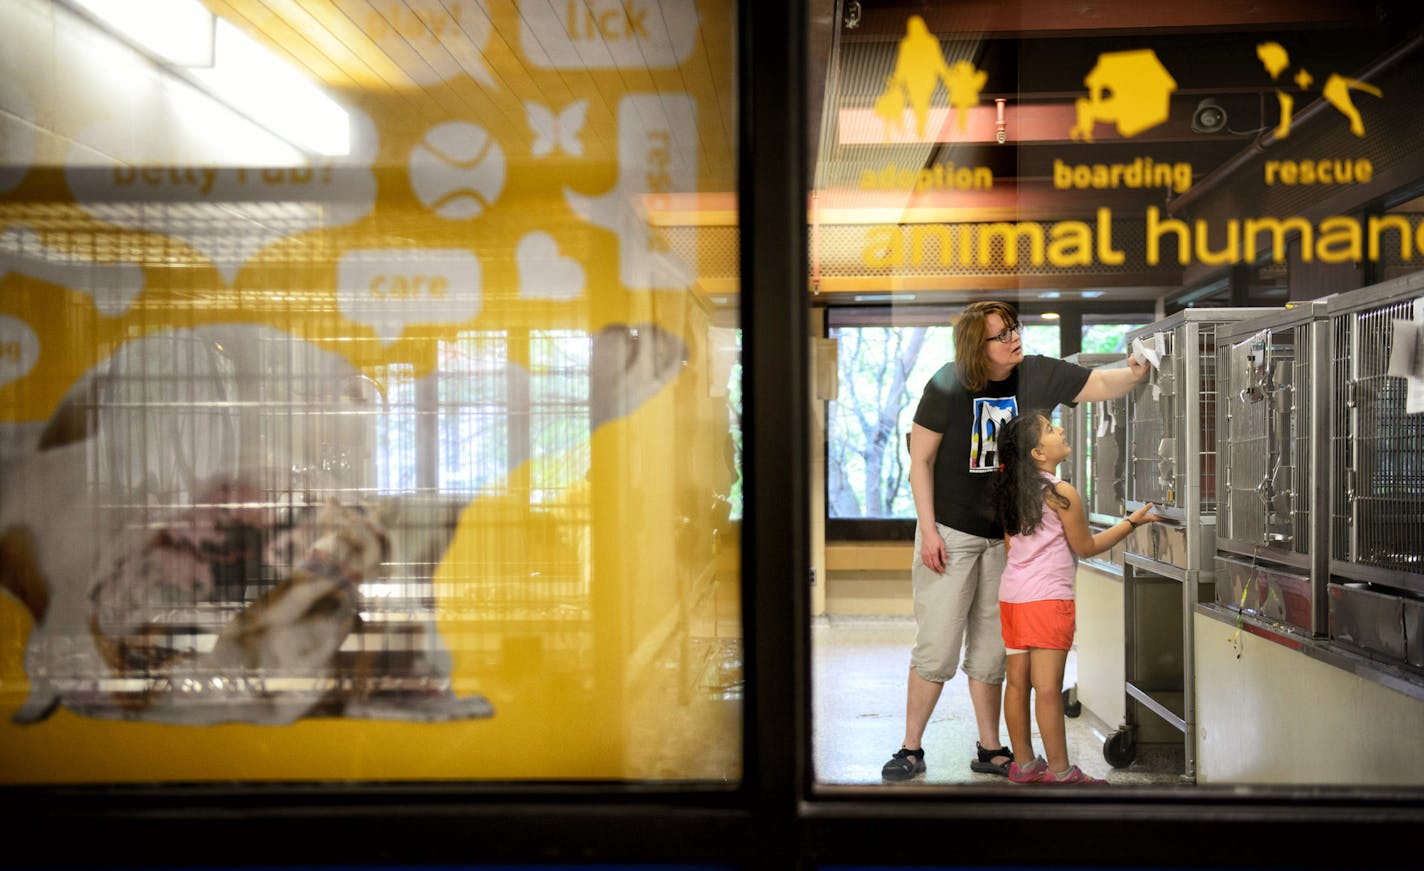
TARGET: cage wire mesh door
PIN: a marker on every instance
(1272, 517)
(1172, 433)
(1095, 436)
(1075, 422)
(1106, 462)
(1377, 436)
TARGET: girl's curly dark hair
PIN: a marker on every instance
(1019, 488)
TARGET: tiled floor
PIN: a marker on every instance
(859, 667)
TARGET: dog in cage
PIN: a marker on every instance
(199, 537)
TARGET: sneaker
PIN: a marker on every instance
(904, 765)
(1034, 772)
(1074, 776)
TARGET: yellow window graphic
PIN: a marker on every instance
(1129, 89)
(920, 71)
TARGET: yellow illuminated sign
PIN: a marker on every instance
(1132, 91)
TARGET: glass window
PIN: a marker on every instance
(1108, 338)
(881, 372)
(1117, 169)
(113, 372)
(1045, 339)
(400, 343)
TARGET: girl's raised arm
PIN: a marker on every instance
(1075, 523)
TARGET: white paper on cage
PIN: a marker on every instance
(1406, 358)
(1152, 355)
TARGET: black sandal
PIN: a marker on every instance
(985, 763)
(904, 765)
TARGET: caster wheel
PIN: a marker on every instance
(1071, 706)
(1119, 750)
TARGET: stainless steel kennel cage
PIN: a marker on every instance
(1376, 592)
(1272, 521)
(1167, 566)
(1097, 433)
(1080, 423)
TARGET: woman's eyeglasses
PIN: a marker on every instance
(1007, 335)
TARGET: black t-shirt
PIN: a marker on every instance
(968, 459)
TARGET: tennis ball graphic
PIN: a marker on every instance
(457, 170)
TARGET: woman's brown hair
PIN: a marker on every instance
(971, 360)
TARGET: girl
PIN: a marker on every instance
(1045, 525)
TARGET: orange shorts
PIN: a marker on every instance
(1048, 623)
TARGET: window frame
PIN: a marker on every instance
(776, 817)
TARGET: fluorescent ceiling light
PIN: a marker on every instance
(266, 89)
(1049, 316)
(233, 136)
(231, 67)
(177, 31)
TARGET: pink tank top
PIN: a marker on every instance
(1040, 566)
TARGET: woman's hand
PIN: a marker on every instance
(932, 550)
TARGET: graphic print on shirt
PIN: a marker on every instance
(991, 413)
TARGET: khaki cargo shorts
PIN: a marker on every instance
(959, 609)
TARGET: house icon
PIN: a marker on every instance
(1129, 88)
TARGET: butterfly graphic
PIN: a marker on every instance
(561, 130)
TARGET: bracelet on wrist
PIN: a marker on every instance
(1133, 523)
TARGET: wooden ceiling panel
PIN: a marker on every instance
(317, 37)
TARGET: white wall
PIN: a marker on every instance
(1100, 643)
(1276, 715)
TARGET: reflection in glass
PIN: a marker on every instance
(421, 450)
